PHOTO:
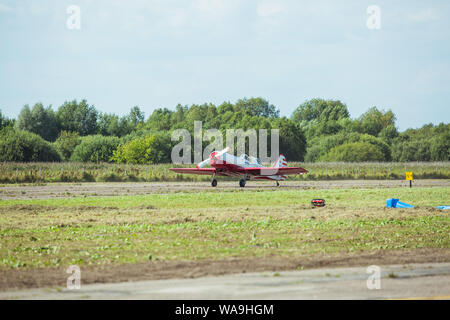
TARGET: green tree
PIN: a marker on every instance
(440, 147)
(319, 117)
(388, 134)
(411, 150)
(38, 120)
(160, 119)
(77, 117)
(225, 107)
(112, 125)
(136, 117)
(292, 139)
(373, 121)
(429, 143)
(179, 114)
(108, 125)
(257, 107)
(321, 110)
(5, 122)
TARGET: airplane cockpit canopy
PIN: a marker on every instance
(250, 159)
(254, 160)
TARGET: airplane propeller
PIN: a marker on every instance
(213, 155)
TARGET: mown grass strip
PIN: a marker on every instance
(241, 198)
(103, 244)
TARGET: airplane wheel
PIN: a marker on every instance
(242, 183)
(214, 183)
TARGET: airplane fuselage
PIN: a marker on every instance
(232, 166)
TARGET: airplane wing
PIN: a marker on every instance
(204, 171)
(273, 171)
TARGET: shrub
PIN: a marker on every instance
(145, 150)
(95, 148)
(66, 143)
(383, 147)
(355, 152)
(319, 147)
(24, 146)
(109, 177)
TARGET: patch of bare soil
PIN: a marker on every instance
(57, 277)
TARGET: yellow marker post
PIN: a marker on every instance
(409, 176)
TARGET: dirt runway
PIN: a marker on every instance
(407, 281)
(16, 279)
(103, 189)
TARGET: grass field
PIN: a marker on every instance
(107, 172)
(236, 223)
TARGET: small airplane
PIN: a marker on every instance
(244, 167)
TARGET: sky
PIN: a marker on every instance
(159, 53)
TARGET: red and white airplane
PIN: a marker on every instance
(244, 167)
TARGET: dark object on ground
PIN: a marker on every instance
(318, 202)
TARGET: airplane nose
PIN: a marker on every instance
(212, 158)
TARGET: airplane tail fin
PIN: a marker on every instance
(281, 162)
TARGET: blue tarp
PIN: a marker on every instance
(394, 203)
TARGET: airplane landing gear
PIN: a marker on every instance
(243, 181)
(278, 184)
(214, 181)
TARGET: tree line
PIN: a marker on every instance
(318, 130)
